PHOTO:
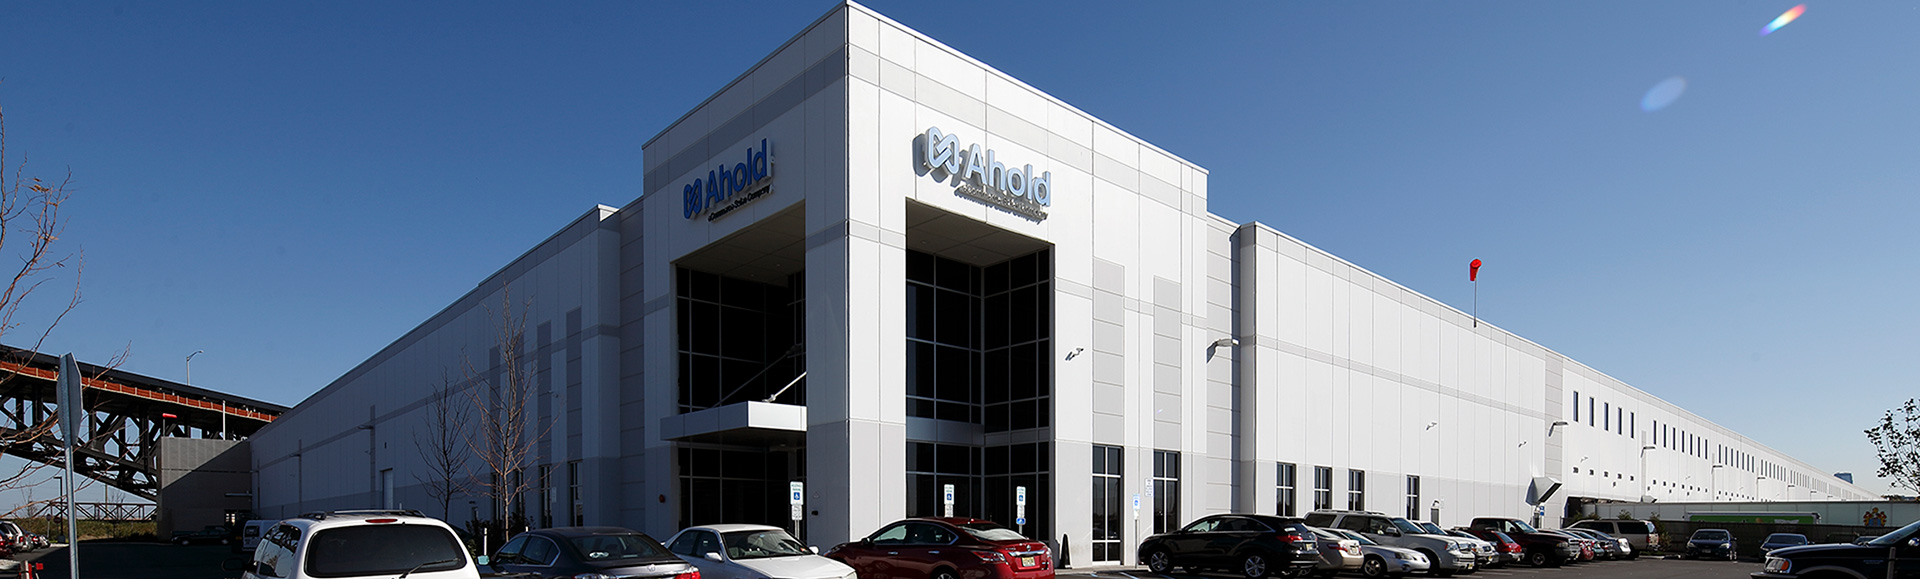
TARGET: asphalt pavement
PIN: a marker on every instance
(1642, 568)
(165, 561)
(136, 561)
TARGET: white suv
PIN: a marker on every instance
(341, 544)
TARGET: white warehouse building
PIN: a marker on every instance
(877, 266)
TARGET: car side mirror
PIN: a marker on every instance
(814, 548)
(481, 560)
(713, 556)
(866, 542)
(1914, 542)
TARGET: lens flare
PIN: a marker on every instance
(1784, 18)
(1663, 94)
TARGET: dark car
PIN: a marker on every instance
(1251, 546)
(1846, 560)
(585, 551)
(1782, 541)
(1542, 548)
(1712, 544)
(217, 534)
(946, 548)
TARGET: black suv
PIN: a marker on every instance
(1846, 560)
(1251, 546)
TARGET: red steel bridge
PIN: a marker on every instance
(127, 414)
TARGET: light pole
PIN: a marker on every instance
(190, 365)
(223, 401)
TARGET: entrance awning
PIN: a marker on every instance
(746, 423)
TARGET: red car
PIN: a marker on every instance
(938, 548)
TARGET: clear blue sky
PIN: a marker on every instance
(291, 186)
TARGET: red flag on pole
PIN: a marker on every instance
(1473, 271)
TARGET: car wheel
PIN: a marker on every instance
(1159, 562)
(1537, 558)
(1374, 567)
(1254, 566)
(944, 573)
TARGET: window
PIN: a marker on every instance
(539, 551)
(1619, 421)
(1413, 496)
(369, 550)
(1606, 416)
(546, 495)
(1589, 411)
(1356, 490)
(1322, 487)
(1283, 481)
(573, 492)
(1633, 425)
(1109, 524)
(1166, 491)
(1576, 406)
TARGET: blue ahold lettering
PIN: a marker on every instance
(723, 182)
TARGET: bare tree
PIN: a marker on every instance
(1896, 442)
(30, 227)
(506, 433)
(442, 442)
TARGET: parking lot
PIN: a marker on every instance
(161, 561)
(137, 561)
(1645, 568)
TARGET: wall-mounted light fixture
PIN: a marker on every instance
(1076, 352)
(1226, 342)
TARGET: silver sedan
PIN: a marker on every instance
(1382, 561)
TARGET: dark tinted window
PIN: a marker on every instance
(510, 552)
(539, 551)
(1239, 525)
(1354, 524)
(1320, 519)
(928, 534)
(382, 550)
(1710, 535)
(616, 547)
(684, 544)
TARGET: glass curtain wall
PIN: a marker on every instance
(979, 350)
(739, 340)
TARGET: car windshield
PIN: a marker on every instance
(1523, 527)
(1787, 539)
(991, 532)
(382, 549)
(762, 544)
(1407, 527)
(1710, 535)
(1896, 537)
(617, 547)
(1600, 534)
(1358, 537)
(1431, 528)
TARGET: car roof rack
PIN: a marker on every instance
(322, 515)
